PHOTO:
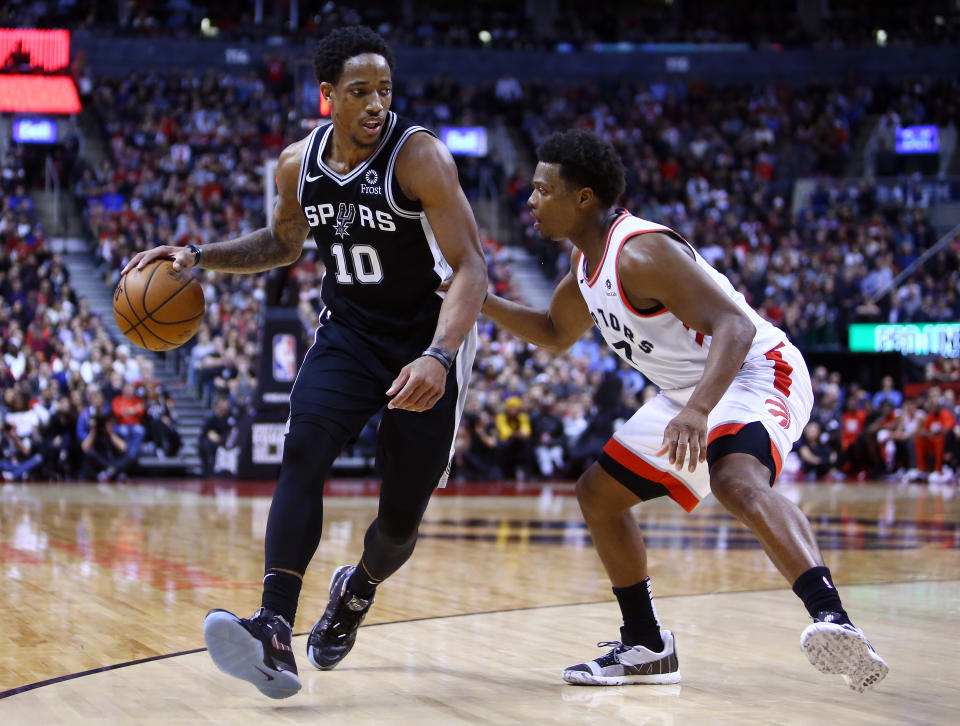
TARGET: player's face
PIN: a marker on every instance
(361, 98)
(553, 204)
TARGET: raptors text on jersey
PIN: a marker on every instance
(655, 341)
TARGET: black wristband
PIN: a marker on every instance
(440, 355)
(197, 254)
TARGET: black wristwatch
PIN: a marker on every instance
(197, 254)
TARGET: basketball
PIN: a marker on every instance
(157, 307)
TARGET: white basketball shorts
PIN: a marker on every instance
(773, 391)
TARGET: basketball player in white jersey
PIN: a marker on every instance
(735, 395)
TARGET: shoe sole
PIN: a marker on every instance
(836, 650)
(582, 678)
(237, 653)
(330, 667)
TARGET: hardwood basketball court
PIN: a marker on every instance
(105, 589)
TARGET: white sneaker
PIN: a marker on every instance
(843, 650)
(628, 665)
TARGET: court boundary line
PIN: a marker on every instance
(116, 666)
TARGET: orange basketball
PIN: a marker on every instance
(158, 308)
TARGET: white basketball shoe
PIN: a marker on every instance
(843, 650)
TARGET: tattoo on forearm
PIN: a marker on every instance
(253, 252)
(258, 251)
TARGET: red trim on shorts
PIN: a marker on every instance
(781, 370)
(606, 245)
(679, 492)
(777, 461)
(727, 429)
(732, 429)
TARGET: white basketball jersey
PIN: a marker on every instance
(654, 341)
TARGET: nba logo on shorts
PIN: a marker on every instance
(284, 357)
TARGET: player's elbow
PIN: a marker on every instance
(559, 344)
(473, 265)
(293, 255)
(741, 330)
(288, 252)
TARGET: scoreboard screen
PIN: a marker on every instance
(23, 49)
(33, 65)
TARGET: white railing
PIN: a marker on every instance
(909, 269)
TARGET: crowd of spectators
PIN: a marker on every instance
(74, 404)
(716, 163)
(853, 434)
(719, 164)
(509, 25)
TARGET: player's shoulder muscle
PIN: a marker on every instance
(425, 166)
(288, 165)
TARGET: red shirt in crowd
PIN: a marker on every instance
(128, 409)
(940, 422)
(851, 426)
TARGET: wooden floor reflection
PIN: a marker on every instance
(503, 591)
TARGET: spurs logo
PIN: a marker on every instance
(345, 216)
(778, 409)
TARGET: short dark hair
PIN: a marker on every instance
(343, 43)
(586, 160)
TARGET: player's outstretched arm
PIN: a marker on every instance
(555, 329)
(426, 172)
(275, 246)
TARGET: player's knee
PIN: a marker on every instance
(396, 530)
(308, 453)
(590, 495)
(736, 491)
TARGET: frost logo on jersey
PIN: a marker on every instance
(371, 178)
(345, 216)
(777, 408)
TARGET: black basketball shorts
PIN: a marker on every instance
(343, 381)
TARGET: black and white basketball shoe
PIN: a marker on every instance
(628, 665)
(334, 634)
(256, 649)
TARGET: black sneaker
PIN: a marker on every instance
(335, 632)
(255, 649)
(834, 645)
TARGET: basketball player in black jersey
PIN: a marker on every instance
(382, 199)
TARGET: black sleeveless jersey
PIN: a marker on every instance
(382, 261)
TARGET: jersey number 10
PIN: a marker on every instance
(367, 269)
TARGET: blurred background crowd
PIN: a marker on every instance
(184, 164)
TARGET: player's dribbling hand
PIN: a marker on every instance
(419, 386)
(687, 432)
(182, 258)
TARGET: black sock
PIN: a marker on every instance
(281, 591)
(361, 584)
(640, 623)
(815, 588)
